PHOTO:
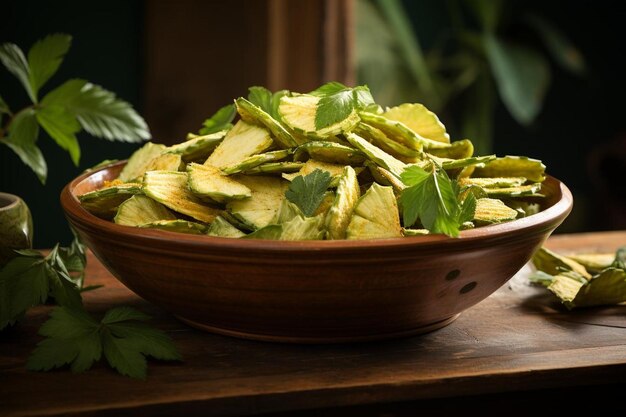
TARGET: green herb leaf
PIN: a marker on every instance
(308, 192)
(62, 126)
(45, 57)
(219, 121)
(74, 338)
(336, 104)
(334, 108)
(22, 139)
(14, 60)
(261, 97)
(328, 89)
(434, 199)
(276, 102)
(99, 111)
(23, 284)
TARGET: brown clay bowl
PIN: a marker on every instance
(313, 291)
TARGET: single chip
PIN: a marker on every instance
(608, 287)
(222, 228)
(251, 113)
(198, 148)
(459, 149)
(399, 132)
(513, 166)
(490, 211)
(420, 120)
(275, 168)
(531, 190)
(256, 160)
(450, 164)
(260, 209)
(165, 162)
(593, 262)
(335, 170)
(384, 177)
(170, 189)
(552, 263)
(340, 212)
(140, 209)
(139, 160)
(378, 138)
(105, 201)
(375, 215)
(206, 181)
(330, 152)
(377, 155)
(242, 141)
(415, 232)
(298, 113)
(178, 225)
(497, 182)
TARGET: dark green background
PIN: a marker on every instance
(579, 114)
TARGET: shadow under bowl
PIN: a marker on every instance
(313, 291)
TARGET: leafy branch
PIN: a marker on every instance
(65, 111)
(74, 337)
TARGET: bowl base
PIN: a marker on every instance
(318, 339)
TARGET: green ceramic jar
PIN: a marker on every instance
(16, 226)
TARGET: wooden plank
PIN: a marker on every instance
(517, 339)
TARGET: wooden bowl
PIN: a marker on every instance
(313, 291)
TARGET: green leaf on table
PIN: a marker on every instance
(434, 199)
(75, 338)
(23, 284)
(62, 126)
(562, 50)
(22, 140)
(307, 192)
(219, 121)
(15, 62)
(522, 76)
(45, 57)
(99, 111)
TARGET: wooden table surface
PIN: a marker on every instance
(518, 339)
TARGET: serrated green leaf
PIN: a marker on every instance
(261, 97)
(327, 89)
(334, 108)
(14, 60)
(148, 340)
(468, 208)
(68, 323)
(64, 289)
(99, 111)
(124, 356)
(52, 353)
(522, 76)
(22, 140)
(433, 198)
(45, 57)
(118, 314)
(307, 192)
(62, 126)
(219, 121)
(23, 283)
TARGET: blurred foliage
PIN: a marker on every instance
(487, 49)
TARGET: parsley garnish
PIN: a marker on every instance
(77, 339)
(338, 101)
(64, 111)
(74, 336)
(434, 199)
(265, 100)
(307, 192)
(219, 121)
